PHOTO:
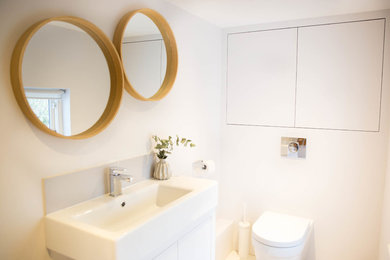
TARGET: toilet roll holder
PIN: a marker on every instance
(203, 166)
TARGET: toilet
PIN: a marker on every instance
(281, 237)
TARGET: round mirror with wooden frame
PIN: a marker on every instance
(36, 75)
(147, 48)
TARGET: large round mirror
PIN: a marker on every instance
(67, 77)
(148, 51)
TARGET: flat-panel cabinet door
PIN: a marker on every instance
(197, 245)
(339, 75)
(143, 62)
(168, 254)
(261, 77)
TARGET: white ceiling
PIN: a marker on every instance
(228, 13)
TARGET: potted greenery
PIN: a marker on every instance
(162, 148)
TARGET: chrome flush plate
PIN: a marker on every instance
(293, 147)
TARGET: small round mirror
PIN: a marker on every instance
(66, 84)
(148, 51)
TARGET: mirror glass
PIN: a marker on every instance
(66, 78)
(143, 55)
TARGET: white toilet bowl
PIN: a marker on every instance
(281, 237)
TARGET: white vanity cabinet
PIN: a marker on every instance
(168, 254)
(340, 75)
(261, 77)
(326, 76)
(197, 244)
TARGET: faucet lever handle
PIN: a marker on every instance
(117, 170)
(126, 177)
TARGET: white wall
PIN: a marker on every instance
(339, 185)
(384, 249)
(27, 155)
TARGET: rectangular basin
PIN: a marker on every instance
(135, 225)
(131, 209)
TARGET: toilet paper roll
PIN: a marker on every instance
(243, 239)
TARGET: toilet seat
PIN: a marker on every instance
(279, 230)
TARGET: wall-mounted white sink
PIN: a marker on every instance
(146, 218)
(132, 208)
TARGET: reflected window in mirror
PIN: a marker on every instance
(52, 107)
(62, 56)
(78, 68)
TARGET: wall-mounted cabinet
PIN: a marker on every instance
(261, 77)
(340, 76)
(321, 76)
(144, 61)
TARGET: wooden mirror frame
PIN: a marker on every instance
(113, 63)
(170, 47)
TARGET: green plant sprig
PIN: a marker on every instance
(165, 146)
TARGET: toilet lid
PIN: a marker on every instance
(279, 230)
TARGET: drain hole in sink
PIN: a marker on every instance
(123, 204)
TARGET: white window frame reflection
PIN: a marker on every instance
(58, 107)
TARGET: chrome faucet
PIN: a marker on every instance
(116, 177)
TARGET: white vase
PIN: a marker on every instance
(162, 170)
